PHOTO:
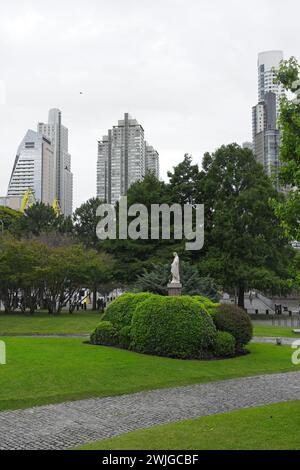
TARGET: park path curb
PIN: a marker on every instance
(72, 424)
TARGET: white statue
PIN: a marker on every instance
(175, 270)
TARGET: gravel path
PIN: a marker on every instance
(74, 423)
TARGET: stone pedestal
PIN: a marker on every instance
(174, 289)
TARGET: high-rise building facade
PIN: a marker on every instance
(265, 132)
(121, 159)
(151, 160)
(33, 169)
(58, 135)
(267, 63)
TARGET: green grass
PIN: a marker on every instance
(52, 370)
(81, 322)
(272, 427)
(275, 331)
(42, 323)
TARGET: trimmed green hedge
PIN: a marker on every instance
(224, 345)
(208, 304)
(120, 311)
(173, 327)
(125, 337)
(180, 327)
(105, 334)
(235, 321)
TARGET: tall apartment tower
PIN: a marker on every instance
(33, 169)
(151, 160)
(58, 135)
(265, 132)
(121, 159)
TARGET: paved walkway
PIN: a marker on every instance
(74, 423)
(273, 340)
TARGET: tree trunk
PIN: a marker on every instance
(241, 296)
(95, 298)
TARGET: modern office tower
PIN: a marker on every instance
(268, 62)
(151, 160)
(33, 169)
(121, 159)
(58, 135)
(265, 132)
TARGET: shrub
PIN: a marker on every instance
(104, 334)
(208, 304)
(125, 337)
(224, 345)
(173, 327)
(120, 311)
(234, 320)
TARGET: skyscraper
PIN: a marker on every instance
(121, 159)
(58, 135)
(268, 61)
(33, 169)
(265, 132)
(151, 160)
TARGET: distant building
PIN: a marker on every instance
(151, 160)
(58, 135)
(265, 132)
(267, 63)
(13, 202)
(247, 145)
(122, 159)
(33, 169)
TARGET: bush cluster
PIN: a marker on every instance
(173, 327)
(224, 345)
(105, 334)
(120, 311)
(208, 304)
(180, 327)
(235, 321)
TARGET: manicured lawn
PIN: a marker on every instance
(269, 427)
(42, 323)
(275, 331)
(52, 370)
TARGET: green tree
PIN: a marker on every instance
(68, 269)
(289, 175)
(245, 245)
(40, 218)
(85, 222)
(183, 181)
(20, 273)
(8, 219)
(132, 256)
(156, 279)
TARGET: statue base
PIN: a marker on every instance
(174, 289)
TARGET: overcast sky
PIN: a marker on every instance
(185, 69)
